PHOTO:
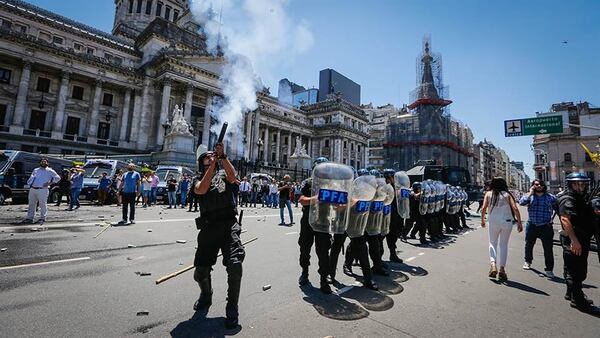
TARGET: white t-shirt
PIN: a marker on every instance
(500, 213)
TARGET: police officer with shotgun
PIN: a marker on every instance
(219, 229)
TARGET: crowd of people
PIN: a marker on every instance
(219, 193)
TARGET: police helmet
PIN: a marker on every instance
(388, 173)
(416, 185)
(375, 172)
(577, 177)
(320, 160)
(362, 172)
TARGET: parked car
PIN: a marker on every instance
(93, 171)
(163, 172)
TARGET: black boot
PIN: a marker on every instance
(325, 288)
(348, 269)
(303, 280)
(379, 270)
(203, 278)
(394, 258)
(234, 282)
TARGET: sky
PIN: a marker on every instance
(501, 59)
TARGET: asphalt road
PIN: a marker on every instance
(98, 287)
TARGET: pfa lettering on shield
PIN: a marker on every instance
(387, 209)
(333, 196)
(404, 193)
(362, 206)
(377, 206)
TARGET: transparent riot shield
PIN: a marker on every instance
(438, 196)
(363, 191)
(425, 194)
(387, 209)
(402, 183)
(375, 219)
(432, 197)
(331, 184)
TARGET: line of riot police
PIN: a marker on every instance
(370, 208)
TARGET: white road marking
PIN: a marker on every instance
(421, 253)
(292, 233)
(44, 263)
(65, 225)
(410, 259)
(344, 289)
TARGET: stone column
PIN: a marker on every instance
(309, 147)
(189, 98)
(266, 146)
(125, 115)
(21, 103)
(164, 111)
(248, 138)
(277, 146)
(144, 120)
(61, 101)
(94, 116)
(289, 147)
(256, 135)
(207, 120)
(135, 116)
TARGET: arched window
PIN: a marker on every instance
(568, 157)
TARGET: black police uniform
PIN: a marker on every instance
(416, 221)
(582, 218)
(219, 230)
(308, 236)
(395, 231)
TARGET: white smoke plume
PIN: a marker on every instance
(252, 35)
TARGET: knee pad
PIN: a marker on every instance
(201, 273)
(234, 270)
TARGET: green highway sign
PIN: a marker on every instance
(534, 126)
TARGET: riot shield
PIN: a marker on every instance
(387, 209)
(425, 194)
(363, 191)
(375, 219)
(432, 197)
(331, 184)
(402, 183)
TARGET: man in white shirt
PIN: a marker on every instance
(38, 183)
(273, 191)
(245, 188)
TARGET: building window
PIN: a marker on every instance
(345, 145)
(20, 28)
(117, 60)
(326, 143)
(77, 93)
(568, 157)
(149, 7)
(131, 6)
(107, 99)
(167, 12)
(72, 125)
(359, 148)
(6, 24)
(2, 115)
(175, 15)
(159, 6)
(42, 150)
(43, 85)
(352, 146)
(45, 36)
(108, 56)
(27, 148)
(5, 75)
(285, 141)
(103, 130)
(57, 40)
(37, 120)
(139, 7)
(78, 47)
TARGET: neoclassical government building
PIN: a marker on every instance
(69, 88)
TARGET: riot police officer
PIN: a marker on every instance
(308, 236)
(578, 223)
(395, 224)
(219, 229)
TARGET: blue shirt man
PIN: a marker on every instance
(539, 205)
(130, 181)
(105, 182)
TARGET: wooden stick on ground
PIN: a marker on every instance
(177, 273)
(103, 230)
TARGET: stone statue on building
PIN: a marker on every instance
(178, 123)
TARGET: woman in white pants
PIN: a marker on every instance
(503, 212)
